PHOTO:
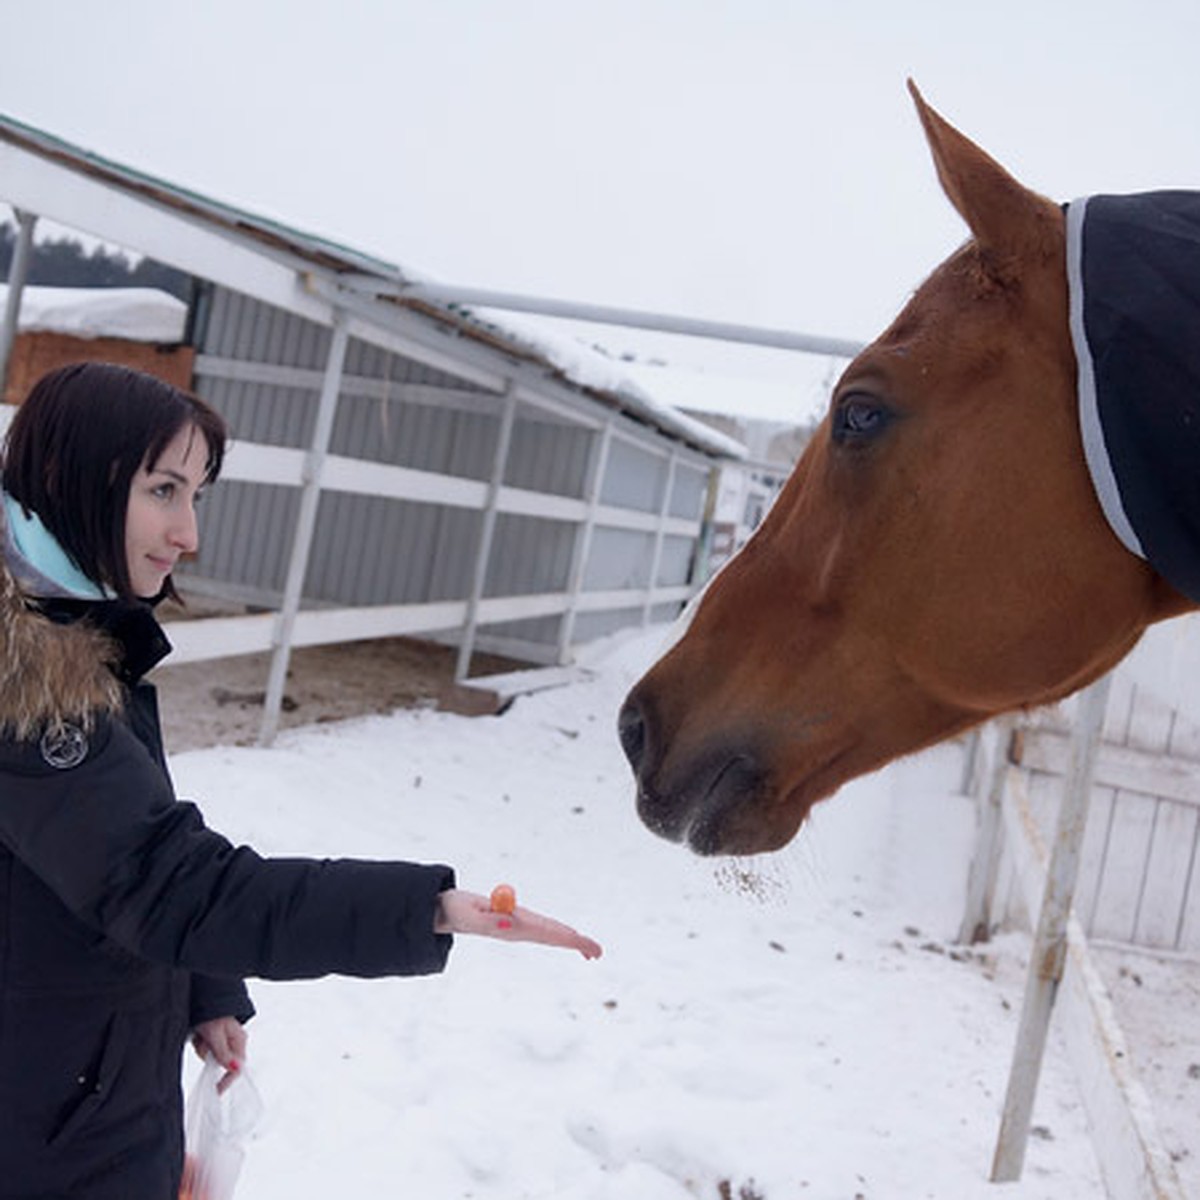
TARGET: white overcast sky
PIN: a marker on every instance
(754, 161)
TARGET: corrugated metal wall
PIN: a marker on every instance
(261, 367)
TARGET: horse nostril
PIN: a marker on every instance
(631, 729)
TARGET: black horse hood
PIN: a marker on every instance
(1133, 270)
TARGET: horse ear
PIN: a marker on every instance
(1004, 215)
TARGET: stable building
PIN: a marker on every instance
(401, 466)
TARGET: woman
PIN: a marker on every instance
(126, 925)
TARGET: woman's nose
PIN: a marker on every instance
(184, 532)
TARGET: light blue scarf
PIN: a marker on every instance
(41, 551)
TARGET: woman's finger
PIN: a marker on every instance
(529, 926)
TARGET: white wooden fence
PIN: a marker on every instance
(1139, 874)
(1137, 884)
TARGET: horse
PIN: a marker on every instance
(940, 555)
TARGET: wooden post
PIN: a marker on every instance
(1048, 953)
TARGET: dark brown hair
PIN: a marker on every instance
(76, 443)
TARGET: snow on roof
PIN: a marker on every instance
(150, 315)
(138, 314)
(799, 397)
(590, 368)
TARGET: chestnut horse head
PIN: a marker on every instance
(938, 556)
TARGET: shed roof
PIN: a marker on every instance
(570, 361)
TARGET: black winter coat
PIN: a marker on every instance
(124, 921)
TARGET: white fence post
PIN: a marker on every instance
(306, 522)
(601, 445)
(664, 510)
(487, 530)
(1048, 952)
(981, 883)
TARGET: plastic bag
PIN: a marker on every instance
(217, 1128)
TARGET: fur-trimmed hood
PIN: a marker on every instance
(50, 673)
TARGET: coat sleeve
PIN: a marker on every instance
(212, 997)
(104, 831)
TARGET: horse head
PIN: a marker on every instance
(937, 557)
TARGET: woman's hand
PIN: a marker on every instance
(225, 1039)
(466, 912)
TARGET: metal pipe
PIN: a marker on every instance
(601, 314)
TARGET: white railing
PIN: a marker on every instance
(222, 637)
(1133, 1160)
(1036, 845)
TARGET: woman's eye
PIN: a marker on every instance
(859, 418)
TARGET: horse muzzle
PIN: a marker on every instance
(709, 804)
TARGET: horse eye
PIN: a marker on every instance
(858, 418)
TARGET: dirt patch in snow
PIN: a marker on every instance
(221, 702)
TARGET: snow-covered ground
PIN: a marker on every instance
(800, 1025)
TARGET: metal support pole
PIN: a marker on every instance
(656, 556)
(17, 274)
(487, 531)
(601, 314)
(1048, 953)
(583, 541)
(306, 520)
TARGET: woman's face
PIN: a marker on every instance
(160, 524)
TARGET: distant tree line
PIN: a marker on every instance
(65, 262)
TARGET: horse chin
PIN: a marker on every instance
(770, 819)
(716, 813)
(746, 833)
(747, 812)
(737, 812)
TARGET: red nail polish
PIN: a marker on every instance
(505, 924)
(234, 1065)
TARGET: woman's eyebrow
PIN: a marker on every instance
(176, 475)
